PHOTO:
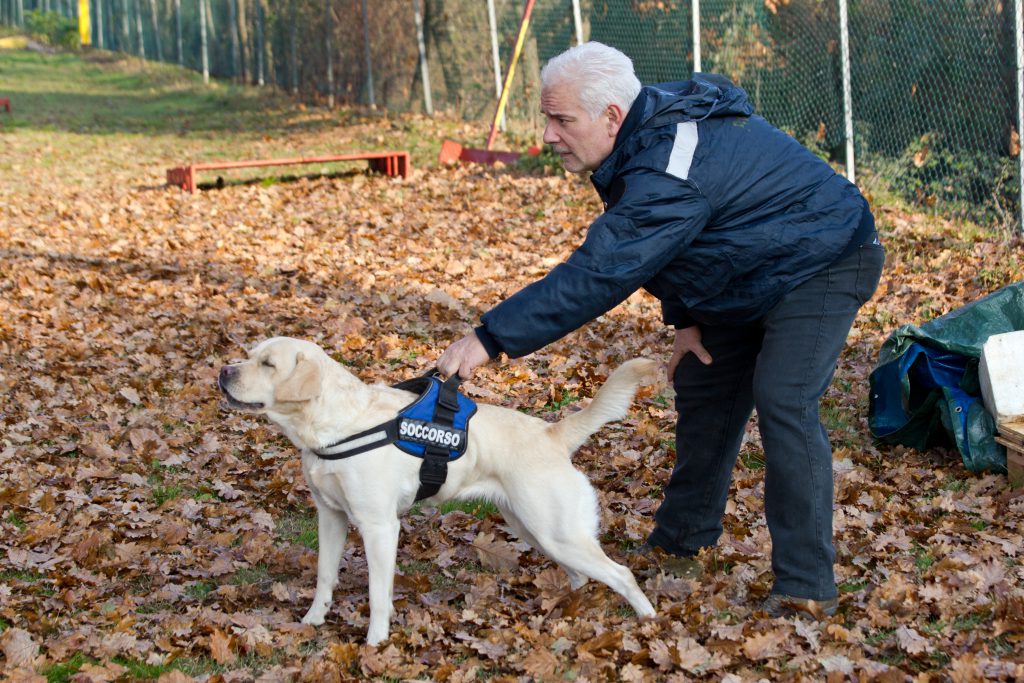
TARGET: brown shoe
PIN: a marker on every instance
(779, 605)
(683, 566)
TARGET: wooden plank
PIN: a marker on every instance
(1014, 463)
(1013, 432)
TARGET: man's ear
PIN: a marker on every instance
(615, 117)
(303, 384)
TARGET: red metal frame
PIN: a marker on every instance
(389, 163)
(452, 151)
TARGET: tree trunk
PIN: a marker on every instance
(439, 35)
(235, 52)
(156, 30)
(243, 32)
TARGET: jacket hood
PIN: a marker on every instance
(704, 96)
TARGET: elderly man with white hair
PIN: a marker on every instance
(761, 256)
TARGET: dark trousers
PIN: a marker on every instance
(780, 365)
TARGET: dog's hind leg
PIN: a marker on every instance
(560, 513)
(332, 532)
(576, 580)
(380, 539)
(583, 556)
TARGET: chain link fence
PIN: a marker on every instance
(934, 82)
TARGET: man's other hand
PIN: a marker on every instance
(687, 341)
(463, 357)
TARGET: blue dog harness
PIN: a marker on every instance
(434, 427)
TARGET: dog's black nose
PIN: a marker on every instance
(226, 373)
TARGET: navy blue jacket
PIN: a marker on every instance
(709, 208)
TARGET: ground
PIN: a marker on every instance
(147, 532)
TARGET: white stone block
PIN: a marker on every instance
(1001, 373)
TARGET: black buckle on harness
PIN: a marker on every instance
(433, 472)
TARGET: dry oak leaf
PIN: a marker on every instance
(693, 656)
(965, 669)
(92, 673)
(19, 648)
(912, 642)
(495, 554)
(374, 662)
(540, 664)
(220, 647)
(764, 645)
(175, 676)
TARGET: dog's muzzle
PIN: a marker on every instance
(227, 374)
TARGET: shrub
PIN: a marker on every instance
(53, 29)
(980, 185)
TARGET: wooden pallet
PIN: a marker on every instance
(388, 163)
(1011, 435)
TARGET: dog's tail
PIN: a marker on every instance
(610, 402)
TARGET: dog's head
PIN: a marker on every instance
(280, 376)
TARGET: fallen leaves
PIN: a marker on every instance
(143, 524)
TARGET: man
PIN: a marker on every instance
(761, 256)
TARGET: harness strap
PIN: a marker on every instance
(434, 469)
(371, 439)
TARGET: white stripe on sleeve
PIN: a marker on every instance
(682, 152)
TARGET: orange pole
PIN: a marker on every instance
(503, 100)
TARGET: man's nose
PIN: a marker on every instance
(550, 137)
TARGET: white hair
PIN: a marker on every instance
(602, 76)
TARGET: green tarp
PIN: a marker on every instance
(925, 390)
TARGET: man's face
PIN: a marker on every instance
(582, 142)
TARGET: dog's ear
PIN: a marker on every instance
(303, 384)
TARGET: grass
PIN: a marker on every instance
(101, 92)
(137, 670)
(752, 459)
(200, 589)
(60, 673)
(299, 526)
(562, 398)
(83, 115)
(481, 509)
(17, 522)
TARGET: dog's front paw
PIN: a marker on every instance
(314, 617)
(376, 635)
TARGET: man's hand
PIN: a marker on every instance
(687, 341)
(463, 357)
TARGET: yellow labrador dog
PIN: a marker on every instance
(518, 462)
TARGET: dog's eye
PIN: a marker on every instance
(267, 363)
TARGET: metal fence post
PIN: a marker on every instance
(695, 8)
(369, 60)
(493, 24)
(577, 20)
(844, 28)
(177, 30)
(99, 23)
(1018, 20)
(421, 45)
(330, 56)
(204, 46)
